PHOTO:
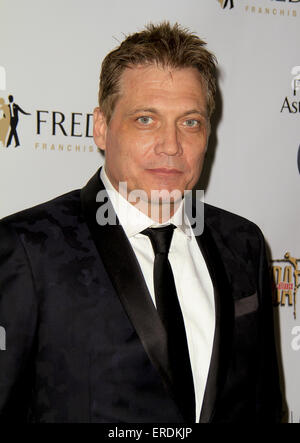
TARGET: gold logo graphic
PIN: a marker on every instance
(286, 281)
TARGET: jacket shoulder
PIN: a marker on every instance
(60, 208)
(222, 219)
(232, 231)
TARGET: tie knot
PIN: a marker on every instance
(160, 238)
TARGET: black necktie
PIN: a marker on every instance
(168, 308)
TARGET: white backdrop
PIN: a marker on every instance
(50, 56)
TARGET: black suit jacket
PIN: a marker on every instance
(84, 342)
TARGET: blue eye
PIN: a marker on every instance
(145, 120)
(191, 123)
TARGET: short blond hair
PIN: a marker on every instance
(165, 45)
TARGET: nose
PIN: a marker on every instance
(169, 141)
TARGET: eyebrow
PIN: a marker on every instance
(139, 110)
(155, 111)
(195, 111)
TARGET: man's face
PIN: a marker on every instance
(157, 136)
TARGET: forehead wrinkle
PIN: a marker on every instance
(142, 69)
(153, 85)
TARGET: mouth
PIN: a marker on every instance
(164, 171)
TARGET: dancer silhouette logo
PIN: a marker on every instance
(226, 4)
(9, 119)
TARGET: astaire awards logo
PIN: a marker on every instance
(286, 281)
(54, 130)
(9, 119)
(291, 105)
(50, 126)
(291, 102)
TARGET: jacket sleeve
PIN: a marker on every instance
(268, 393)
(18, 317)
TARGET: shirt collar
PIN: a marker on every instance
(133, 220)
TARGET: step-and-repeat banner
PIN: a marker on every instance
(50, 56)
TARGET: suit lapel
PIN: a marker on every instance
(127, 279)
(224, 314)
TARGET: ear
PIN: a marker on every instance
(99, 129)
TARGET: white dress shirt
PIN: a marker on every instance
(192, 279)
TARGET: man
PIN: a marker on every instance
(116, 307)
